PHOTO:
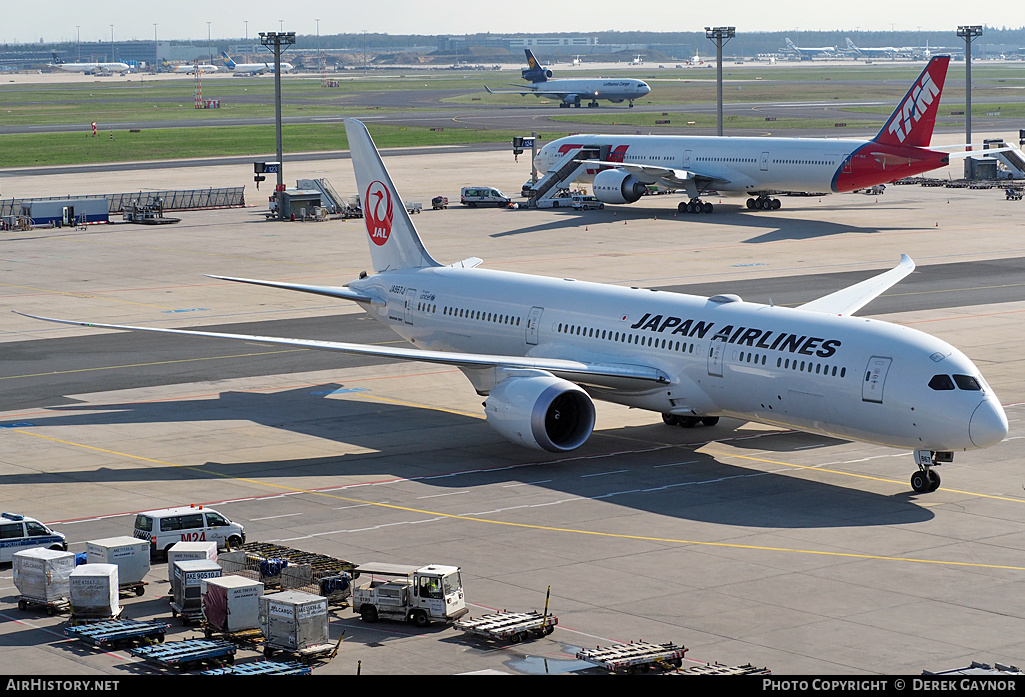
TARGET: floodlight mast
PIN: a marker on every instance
(969, 33)
(274, 41)
(717, 34)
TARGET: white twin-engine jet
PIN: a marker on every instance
(542, 349)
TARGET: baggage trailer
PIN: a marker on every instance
(635, 657)
(51, 607)
(720, 669)
(115, 634)
(262, 668)
(511, 626)
(189, 654)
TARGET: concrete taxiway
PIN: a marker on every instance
(742, 542)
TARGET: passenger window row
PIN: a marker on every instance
(811, 367)
(481, 315)
(623, 337)
(426, 308)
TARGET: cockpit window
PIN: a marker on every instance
(967, 382)
(941, 382)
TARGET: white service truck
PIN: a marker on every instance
(420, 595)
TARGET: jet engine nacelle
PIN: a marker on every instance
(541, 411)
(617, 186)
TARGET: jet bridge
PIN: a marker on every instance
(572, 164)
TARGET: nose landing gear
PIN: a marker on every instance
(926, 479)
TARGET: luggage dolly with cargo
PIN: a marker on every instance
(43, 579)
(635, 657)
(94, 594)
(188, 654)
(415, 594)
(115, 634)
(296, 624)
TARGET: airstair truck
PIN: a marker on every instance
(420, 595)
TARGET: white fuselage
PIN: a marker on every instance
(259, 68)
(612, 89)
(95, 67)
(849, 377)
(190, 69)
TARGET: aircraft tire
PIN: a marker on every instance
(920, 482)
(710, 420)
(751, 204)
(934, 480)
(670, 419)
(707, 207)
(776, 204)
(689, 421)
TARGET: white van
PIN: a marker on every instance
(165, 527)
(19, 532)
(474, 196)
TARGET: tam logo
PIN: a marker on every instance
(378, 212)
(914, 108)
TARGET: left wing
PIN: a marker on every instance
(679, 177)
(580, 370)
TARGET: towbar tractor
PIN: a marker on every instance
(420, 595)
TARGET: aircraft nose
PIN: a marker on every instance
(988, 425)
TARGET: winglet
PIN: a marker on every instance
(853, 298)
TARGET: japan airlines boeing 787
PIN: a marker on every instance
(541, 349)
(621, 166)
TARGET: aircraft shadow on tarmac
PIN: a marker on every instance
(665, 473)
(778, 227)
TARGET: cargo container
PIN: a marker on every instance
(42, 576)
(187, 587)
(67, 212)
(294, 621)
(94, 591)
(131, 556)
(190, 551)
(232, 603)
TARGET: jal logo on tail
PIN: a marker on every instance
(914, 107)
(378, 212)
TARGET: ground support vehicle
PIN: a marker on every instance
(1012, 194)
(261, 668)
(418, 595)
(511, 626)
(413, 206)
(635, 657)
(439, 202)
(51, 607)
(115, 634)
(21, 532)
(188, 654)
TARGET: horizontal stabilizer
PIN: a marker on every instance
(853, 298)
(330, 291)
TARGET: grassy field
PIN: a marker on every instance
(36, 150)
(143, 101)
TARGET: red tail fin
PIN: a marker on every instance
(912, 122)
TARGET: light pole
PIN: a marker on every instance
(209, 44)
(969, 33)
(275, 41)
(78, 41)
(112, 57)
(717, 34)
(247, 29)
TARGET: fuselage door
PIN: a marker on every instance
(716, 349)
(533, 322)
(686, 160)
(407, 312)
(763, 162)
(875, 378)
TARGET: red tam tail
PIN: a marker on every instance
(912, 122)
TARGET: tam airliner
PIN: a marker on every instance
(761, 167)
(543, 349)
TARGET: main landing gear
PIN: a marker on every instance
(763, 203)
(689, 421)
(926, 479)
(695, 205)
